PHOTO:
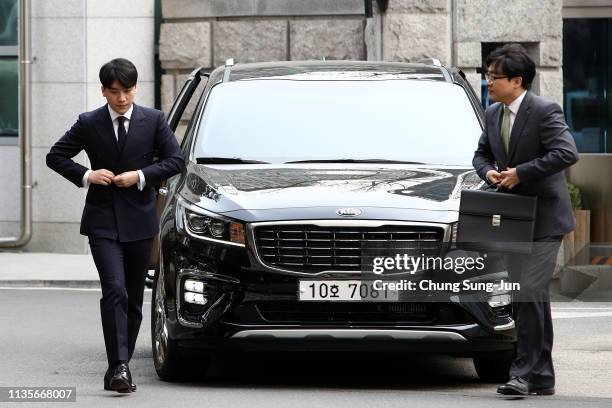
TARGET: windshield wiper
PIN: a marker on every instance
(227, 160)
(354, 161)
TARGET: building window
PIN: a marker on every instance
(587, 72)
(8, 22)
(9, 97)
(485, 50)
(9, 69)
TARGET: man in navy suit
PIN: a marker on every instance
(524, 148)
(121, 139)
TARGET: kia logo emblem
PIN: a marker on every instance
(348, 212)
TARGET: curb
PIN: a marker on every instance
(54, 284)
(40, 283)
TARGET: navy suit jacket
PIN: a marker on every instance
(127, 214)
(541, 146)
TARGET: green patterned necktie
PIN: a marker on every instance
(506, 128)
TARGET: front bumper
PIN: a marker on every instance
(250, 307)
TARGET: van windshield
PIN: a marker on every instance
(278, 121)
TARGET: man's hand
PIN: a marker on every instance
(127, 179)
(509, 178)
(102, 176)
(494, 177)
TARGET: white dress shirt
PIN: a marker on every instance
(514, 108)
(114, 117)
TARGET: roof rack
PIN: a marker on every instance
(430, 61)
(229, 63)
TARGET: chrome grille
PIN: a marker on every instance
(312, 248)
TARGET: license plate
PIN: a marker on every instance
(344, 291)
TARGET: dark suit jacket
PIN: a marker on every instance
(110, 211)
(541, 146)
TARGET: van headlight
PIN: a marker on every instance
(499, 297)
(205, 225)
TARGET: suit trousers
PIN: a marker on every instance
(122, 267)
(531, 307)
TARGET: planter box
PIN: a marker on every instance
(577, 240)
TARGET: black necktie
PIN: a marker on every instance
(121, 135)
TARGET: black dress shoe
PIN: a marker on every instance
(121, 379)
(132, 385)
(107, 377)
(516, 386)
(520, 386)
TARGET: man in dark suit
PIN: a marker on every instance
(524, 148)
(120, 219)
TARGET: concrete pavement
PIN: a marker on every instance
(34, 269)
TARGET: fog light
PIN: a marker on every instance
(195, 298)
(194, 286)
(500, 300)
(454, 231)
(500, 296)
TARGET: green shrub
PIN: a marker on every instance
(575, 196)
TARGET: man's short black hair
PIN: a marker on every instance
(120, 70)
(512, 60)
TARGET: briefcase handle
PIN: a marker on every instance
(493, 187)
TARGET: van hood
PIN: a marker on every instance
(225, 189)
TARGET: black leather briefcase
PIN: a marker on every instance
(496, 221)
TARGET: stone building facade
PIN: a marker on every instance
(207, 32)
